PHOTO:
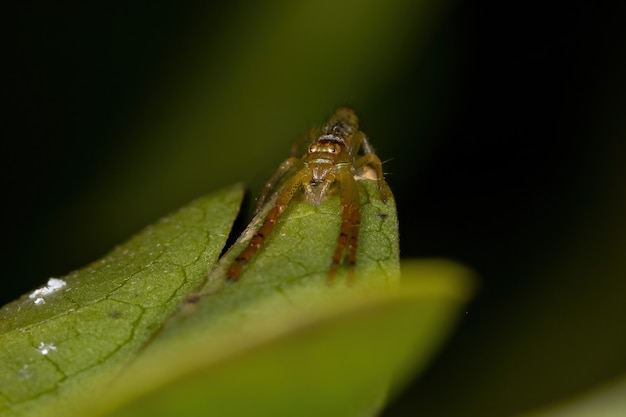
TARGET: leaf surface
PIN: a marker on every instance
(282, 341)
(73, 335)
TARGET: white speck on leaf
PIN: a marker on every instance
(45, 348)
(39, 301)
(53, 285)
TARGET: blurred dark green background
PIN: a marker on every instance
(501, 124)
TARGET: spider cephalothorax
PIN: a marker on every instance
(335, 156)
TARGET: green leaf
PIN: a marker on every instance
(73, 335)
(281, 341)
(334, 359)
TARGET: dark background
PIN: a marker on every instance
(504, 136)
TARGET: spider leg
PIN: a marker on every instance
(350, 222)
(367, 147)
(287, 165)
(285, 196)
(370, 159)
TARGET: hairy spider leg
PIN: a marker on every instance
(367, 147)
(350, 222)
(369, 158)
(285, 167)
(285, 196)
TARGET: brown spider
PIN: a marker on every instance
(332, 159)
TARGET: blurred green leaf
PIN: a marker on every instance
(334, 359)
(73, 335)
(608, 400)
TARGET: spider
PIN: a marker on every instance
(331, 160)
